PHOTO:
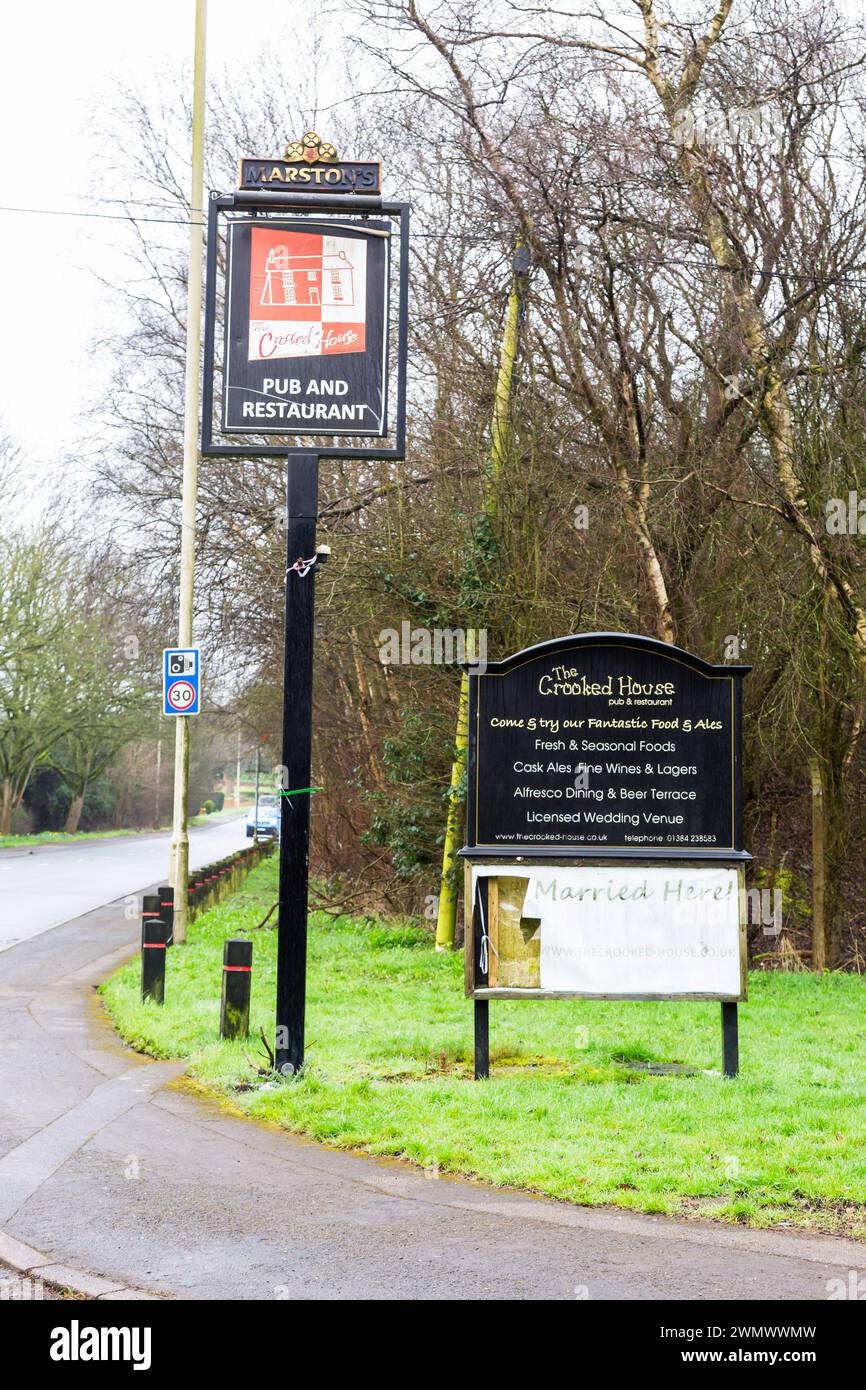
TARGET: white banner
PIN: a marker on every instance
(633, 931)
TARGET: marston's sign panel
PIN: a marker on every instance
(306, 343)
(342, 176)
(605, 743)
(311, 165)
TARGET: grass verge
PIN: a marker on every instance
(59, 837)
(569, 1111)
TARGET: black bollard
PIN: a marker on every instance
(166, 910)
(150, 907)
(237, 978)
(153, 943)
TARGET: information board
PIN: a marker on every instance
(605, 743)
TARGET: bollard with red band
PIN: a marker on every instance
(237, 979)
(165, 893)
(225, 876)
(153, 948)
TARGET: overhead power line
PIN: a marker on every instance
(844, 278)
(105, 216)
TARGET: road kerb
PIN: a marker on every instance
(25, 1260)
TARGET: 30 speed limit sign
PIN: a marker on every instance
(181, 680)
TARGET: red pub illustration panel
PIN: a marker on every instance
(301, 295)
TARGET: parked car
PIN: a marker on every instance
(268, 824)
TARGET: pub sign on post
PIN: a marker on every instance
(305, 375)
(306, 338)
(312, 300)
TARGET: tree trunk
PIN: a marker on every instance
(75, 810)
(819, 881)
(360, 705)
(6, 808)
(776, 415)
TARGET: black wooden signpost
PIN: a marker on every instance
(618, 756)
(308, 356)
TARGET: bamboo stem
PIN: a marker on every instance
(446, 916)
(446, 919)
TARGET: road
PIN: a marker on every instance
(42, 886)
(108, 1167)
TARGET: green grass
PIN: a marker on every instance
(227, 813)
(567, 1111)
(59, 837)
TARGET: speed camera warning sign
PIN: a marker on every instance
(181, 687)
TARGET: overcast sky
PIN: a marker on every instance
(61, 61)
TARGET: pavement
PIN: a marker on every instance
(116, 1181)
(42, 886)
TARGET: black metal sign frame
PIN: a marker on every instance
(269, 206)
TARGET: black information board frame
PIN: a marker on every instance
(488, 785)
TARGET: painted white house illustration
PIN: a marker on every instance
(323, 279)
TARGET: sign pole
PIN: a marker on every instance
(179, 870)
(302, 509)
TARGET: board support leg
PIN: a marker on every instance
(730, 1040)
(482, 1039)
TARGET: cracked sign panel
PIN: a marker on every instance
(306, 347)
